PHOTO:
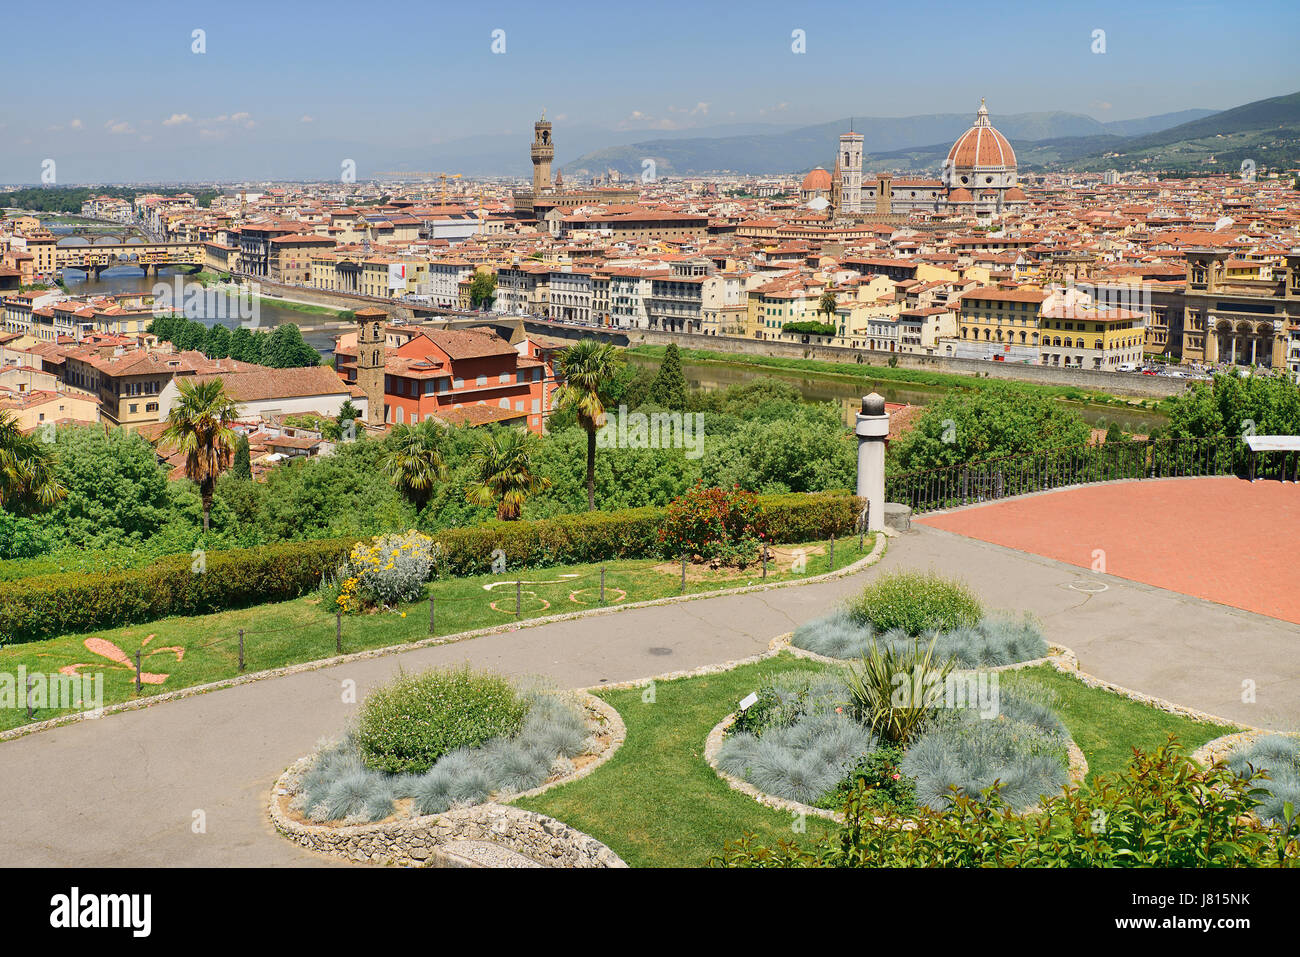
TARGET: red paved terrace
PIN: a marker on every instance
(1223, 539)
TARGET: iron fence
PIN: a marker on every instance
(973, 482)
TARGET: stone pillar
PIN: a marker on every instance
(872, 429)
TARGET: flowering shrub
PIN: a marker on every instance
(713, 523)
(390, 570)
(404, 726)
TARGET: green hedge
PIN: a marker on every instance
(48, 605)
(42, 606)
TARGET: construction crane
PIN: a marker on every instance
(421, 174)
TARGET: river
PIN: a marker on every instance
(847, 393)
(128, 280)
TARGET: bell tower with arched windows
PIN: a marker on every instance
(370, 360)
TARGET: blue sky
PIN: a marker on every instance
(283, 88)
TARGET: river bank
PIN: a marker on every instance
(823, 381)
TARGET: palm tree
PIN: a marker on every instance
(414, 460)
(588, 369)
(827, 304)
(199, 425)
(27, 474)
(504, 472)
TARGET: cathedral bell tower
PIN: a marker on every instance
(543, 153)
(370, 361)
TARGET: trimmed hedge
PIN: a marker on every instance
(49, 605)
(43, 606)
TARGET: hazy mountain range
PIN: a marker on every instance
(804, 147)
(1266, 131)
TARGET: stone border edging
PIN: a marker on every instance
(317, 664)
(418, 841)
(1220, 748)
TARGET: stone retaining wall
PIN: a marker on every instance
(423, 841)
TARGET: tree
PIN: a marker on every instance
(28, 479)
(827, 305)
(242, 345)
(505, 474)
(482, 289)
(588, 368)
(989, 422)
(414, 460)
(1233, 405)
(199, 425)
(286, 348)
(243, 467)
(669, 386)
(116, 489)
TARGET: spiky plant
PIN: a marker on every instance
(505, 473)
(588, 369)
(891, 691)
(199, 425)
(414, 460)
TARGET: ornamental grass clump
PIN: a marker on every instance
(915, 603)
(1163, 810)
(405, 726)
(388, 571)
(1278, 757)
(995, 640)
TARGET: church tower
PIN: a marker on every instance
(849, 179)
(370, 360)
(543, 153)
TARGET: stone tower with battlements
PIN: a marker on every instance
(543, 153)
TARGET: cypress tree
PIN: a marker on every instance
(669, 387)
(242, 468)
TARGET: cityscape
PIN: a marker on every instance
(509, 458)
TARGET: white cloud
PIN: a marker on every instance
(306, 119)
(176, 119)
(118, 127)
(75, 124)
(238, 117)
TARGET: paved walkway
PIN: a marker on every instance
(125, 790)
(1223, 539)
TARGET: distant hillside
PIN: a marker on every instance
(1265, 131)
(806, 147)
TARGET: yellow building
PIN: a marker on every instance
(1085, 337)
(1000, 322)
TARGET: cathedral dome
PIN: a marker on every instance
(816, 181)
(982, 147)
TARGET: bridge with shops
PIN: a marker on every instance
(107, 252)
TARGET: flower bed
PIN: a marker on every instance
(331, 801)
(897, 610)
(801, 744)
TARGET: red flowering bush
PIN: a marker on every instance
(713, 523)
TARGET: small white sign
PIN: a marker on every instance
(748, 701)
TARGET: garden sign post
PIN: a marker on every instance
(872, 429)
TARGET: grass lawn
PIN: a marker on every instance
(849, 372)
(302, 307)
(179, 652)
(1106, 726)
(657, 803)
